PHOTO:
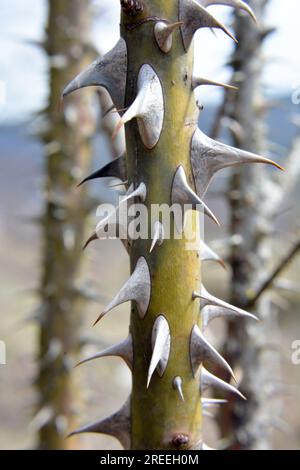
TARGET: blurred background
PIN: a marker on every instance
(52, 291)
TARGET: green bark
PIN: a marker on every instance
(158, 414)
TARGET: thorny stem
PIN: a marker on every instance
(69, 150)
(160, 420)
(168, 161)
(268, 281)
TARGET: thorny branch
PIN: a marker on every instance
(274, 274)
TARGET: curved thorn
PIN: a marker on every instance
(210, 312)
(114, 169)
(161, 345)
(137, 288)
(183, 194)
(207, 254)
(232, 3)
(109, 71)
(208, 299)
(210, 380)
(92, 238)
(209, 156)
(123, 350)
(201, 351)
(194, 16)
(117, 425)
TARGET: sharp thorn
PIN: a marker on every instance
(161, 344)
(199, 81)
(232, 3)
(123, 350)
(158, 235)
(207, 254)
(209, 156)
(117, 425)
(114, 169)
(210, 380)
(194, 16)
(91, 239)
(183, 194)
(109, 71)
(201, 351)
(177, 385)
(137, 288)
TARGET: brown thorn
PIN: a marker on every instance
(91, 239)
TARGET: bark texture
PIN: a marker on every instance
(67, 158)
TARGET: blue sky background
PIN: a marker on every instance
(23, 67)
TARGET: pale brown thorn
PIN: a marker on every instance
(91, 239)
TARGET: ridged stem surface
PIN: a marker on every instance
(159, 417)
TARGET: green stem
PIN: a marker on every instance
(159, 417)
